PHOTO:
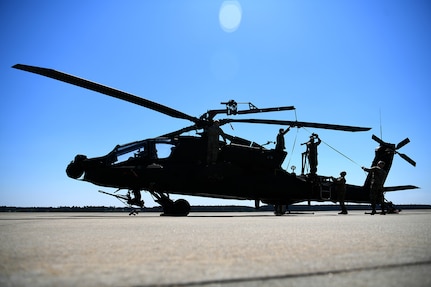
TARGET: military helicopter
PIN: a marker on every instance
(241, 169)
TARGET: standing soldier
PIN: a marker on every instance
(312, 152)
(340, 188)
(378, 177)
(280, 146)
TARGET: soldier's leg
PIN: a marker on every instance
(382, 201)
(373, 201)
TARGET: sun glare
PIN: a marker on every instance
(230, 16)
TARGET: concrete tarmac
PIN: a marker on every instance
(215, 249)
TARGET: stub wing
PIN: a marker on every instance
(399, 187)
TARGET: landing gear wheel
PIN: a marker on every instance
(181, 207)
(278, 210)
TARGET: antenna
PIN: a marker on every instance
(380, 115)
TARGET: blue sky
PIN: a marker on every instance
(363, 63)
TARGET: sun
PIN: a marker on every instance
(230, 16)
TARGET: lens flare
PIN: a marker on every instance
(230, 16)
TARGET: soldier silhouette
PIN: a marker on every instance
(376, 187)
(311, 152)
(280, 145)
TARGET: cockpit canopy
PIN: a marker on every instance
(149, 149)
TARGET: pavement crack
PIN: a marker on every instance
(287, 276)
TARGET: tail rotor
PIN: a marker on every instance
(394, 149)
(402, 143)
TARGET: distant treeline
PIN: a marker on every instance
(199, 208)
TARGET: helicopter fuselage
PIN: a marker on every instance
(248, 172)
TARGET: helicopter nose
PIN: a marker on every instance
(75, 169)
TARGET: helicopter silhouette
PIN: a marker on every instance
(175, 163)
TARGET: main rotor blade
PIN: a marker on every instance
(57, 75)
(297, 124)
(402, 143)
(265, 110)
(212, 113)
(178, 132)
(409, 160)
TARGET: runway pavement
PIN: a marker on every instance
(215, 249)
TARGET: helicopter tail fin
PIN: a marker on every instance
(399, 187)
